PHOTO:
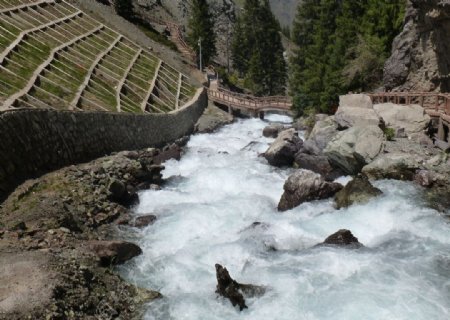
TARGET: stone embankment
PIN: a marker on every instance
(35, 141)
(382, 141)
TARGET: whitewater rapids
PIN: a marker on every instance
(221, 186)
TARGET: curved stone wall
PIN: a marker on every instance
(36, 141)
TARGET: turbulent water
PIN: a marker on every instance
(221, 186)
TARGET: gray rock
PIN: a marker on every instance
(282, 151)
(399, 166)
(412, 118)
(352, 149)
(318, 164)
(303, 186)
(347, 117)
(323, 132)
(272, 130)
(355, 101)
(357, 191)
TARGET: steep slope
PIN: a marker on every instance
(420, 58)
(53, 55)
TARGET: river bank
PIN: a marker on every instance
(59, 239)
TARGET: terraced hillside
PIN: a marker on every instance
(52, 55)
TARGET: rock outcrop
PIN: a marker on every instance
(410, 119)
(318, 164)
(357, 191)
(420, 59)
(352, 149)
(355, 109)
(282, 151)
(303, 186)
(229, 288)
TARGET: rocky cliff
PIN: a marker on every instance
(420, 59)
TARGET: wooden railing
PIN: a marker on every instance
(244, 101)
(436, 104)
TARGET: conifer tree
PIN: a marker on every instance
(201, 28)
(257, 49)
(342, 46)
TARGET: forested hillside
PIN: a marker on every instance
(342, 47)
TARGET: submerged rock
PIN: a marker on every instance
(342, 238)
(234, 291)
(143, 221)
(358, 191)
(282, 151)
(303, 186)
(114, 252)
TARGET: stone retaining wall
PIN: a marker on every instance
(36, 141)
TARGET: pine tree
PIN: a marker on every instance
(201, 29)
(257, 49)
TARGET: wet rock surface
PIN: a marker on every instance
(342, 238)
(212, 119)
(357, 191)
(272, 130)
(283, 150)
(63, 226)
(229, 288)
(303, 186)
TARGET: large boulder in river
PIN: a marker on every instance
(323, 132)
(411, 118)
(352, 149)
(229, 288)
(318, 164)
(357, 191)
(343, 238)
(303, 186)
(282, 151)
(272, 130)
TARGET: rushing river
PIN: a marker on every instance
(221, 186)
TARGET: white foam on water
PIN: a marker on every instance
(221, 186)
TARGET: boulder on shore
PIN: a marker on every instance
(352, 149)
(412, 119)
(342, 238)
(357, 191)
(114, 252)
(303, 186)
(399, 166)
(355, 109)
(229, 288)
(282, 151)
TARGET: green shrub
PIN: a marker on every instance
(389, 133)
